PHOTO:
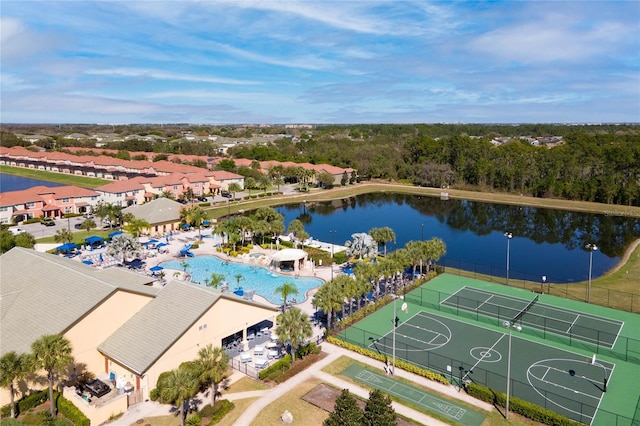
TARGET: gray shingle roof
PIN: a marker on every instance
(142, 340)
(45, 294)
(160, 210)
(139, 342)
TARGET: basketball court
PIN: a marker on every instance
(469, 348)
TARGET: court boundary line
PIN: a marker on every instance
(515, 336)
(552, 307)
(572, 356)
(610, 369)
(576, 315)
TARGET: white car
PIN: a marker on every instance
(15, 231)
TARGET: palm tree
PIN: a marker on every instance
(294, 327)
(179, 386)
(88, 225)
(328, 299)
(233, 188)
(213, 367)
(285, 290)
(167, 194)
(12, 368)
(63, 236)
(135, 226)
(383, 236)
(51, 353)
(244, 224)
(194, 215)
(215, 280)
(296, 227)
(124, 245)
(239, 278)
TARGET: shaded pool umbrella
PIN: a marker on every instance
(156, 268)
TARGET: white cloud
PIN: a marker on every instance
(164, 75)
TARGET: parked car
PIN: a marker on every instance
(88, 215)
(226, 195)
(47, 221)
(78, 225)
(203, 199)
(16, 231)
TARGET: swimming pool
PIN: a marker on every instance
(254, 277)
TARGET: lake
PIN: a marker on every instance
(545, 241)
(18, 183)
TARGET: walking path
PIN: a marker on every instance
(266, 397)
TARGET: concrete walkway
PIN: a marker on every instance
(266, 397)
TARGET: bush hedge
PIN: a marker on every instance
(277, 367)
(218, 411)
(25, 403)
(70, 411)
(517, 405)
(399, 363)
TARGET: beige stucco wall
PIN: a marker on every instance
(100, 323)
(87, 334)
(223, 319)
(97, 413)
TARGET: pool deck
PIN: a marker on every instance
(208, 247)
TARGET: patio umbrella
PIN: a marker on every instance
(156, 268)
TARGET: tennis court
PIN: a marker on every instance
(533, 314)
(566, 382)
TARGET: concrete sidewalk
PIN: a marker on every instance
(266, 397)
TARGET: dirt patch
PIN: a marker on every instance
(324, 396)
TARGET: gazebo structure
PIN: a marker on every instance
(289, 260)
(94, 241)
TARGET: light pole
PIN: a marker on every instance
(422, 239)
(404, 308)
(333, 233)
(544, 280)
(591, 247)
(510, 326)
(509, 236)
(229, 207)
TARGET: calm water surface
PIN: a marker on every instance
(18, 183)
(545, 241)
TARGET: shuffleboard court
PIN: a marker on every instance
(566, 382)
(426, 400)
(565, 322)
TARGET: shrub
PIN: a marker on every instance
(71, 412)
(32, 220)
(218, 411)
(207, 204)
(340, 257)
(399, 363)
(277, 367)
(524, 408)
(195, 245)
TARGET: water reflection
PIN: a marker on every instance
(546, 241)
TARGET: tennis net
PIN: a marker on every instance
(525, 309)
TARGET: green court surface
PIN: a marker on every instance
(566, 374)
(429, 402)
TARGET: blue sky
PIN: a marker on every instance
(337, 62)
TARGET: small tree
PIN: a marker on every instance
(285, 290)
(294, 327)
(212, 363)
(378, 411)
(12, 368)
(179, 386)
(345, 412)
(215, 280)
(88, 225)
(63, 236)
(24, 239)
(51, 353)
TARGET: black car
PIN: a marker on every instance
(78, 226)
(203, 199)
(226, 195)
